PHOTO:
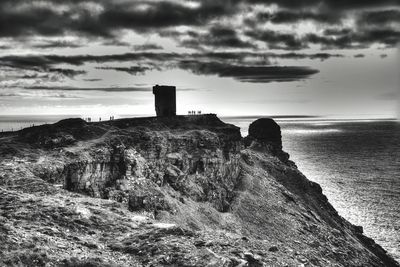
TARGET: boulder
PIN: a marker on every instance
(266, 130)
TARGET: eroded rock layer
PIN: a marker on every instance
(173, 191)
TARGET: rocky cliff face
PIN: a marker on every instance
(180, 191)
(134, 167)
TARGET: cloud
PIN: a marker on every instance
(320, 56)
(356, 40)
(103, 18)
(245, 67)
(146, 88)
(92, 80)
(56, 44)
(134, 70)
(18, 76)
(145, 47)
(328, 4)
(70, 73)
(286, 16)
(379, 17)
(336, 31)
(375, 22)
(47, 61)
(278, 40)
(218, 36)
(103, 89)
(109, 18)
(147, 61)
(26, 94)
(246, 73)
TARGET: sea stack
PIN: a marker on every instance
(266, 131)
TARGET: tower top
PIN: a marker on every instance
(163, 89)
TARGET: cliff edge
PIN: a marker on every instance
(178, 191)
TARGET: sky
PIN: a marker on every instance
(336, 58)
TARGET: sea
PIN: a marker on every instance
(356, 162)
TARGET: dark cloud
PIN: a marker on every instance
(134, 70)
(380, 17)
(388, 36)
(297, 56)
(70, 73)
(92, 80)
(263, 58)
(5, 47)
(328, 4)
(102, 18)
(225, 64)
(217, 36)
(161, 14)
(56, 44)
(145, 47)
(337, 31)
(278, 40)
(246, 73)
(372, 26)
(115, 42)
(328, 42)
(107, 18)
(356, 39)
(286, 16)
(46, 61)
(222, 36)
(40, 65)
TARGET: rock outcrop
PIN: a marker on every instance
(267, 131)
(168, 191)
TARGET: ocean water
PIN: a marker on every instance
(357, 164)
(17, 122)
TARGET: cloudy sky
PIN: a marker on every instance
(231, 57)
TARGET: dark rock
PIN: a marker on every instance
(253, 260)
(359, 229)
(150, 202)
(273, 249)
(267, 131)
(75, 262)
(200, 243)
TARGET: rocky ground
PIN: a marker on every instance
(181, 191)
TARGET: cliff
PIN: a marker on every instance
(179, 191)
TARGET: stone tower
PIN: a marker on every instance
(165, 100)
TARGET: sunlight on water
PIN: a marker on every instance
(359, 170)
(313, 131)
